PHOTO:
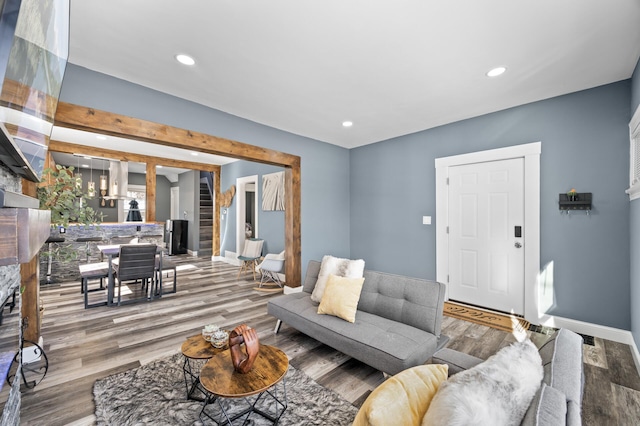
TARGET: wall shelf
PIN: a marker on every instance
(582, 201)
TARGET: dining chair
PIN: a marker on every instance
(167, 266)
(135, 262)
(250, 255)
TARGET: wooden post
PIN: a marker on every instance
(215, 249)
(30, 281)
(292, 228)
(150, 215)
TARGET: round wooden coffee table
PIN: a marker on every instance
(195, 349)
(219, 378)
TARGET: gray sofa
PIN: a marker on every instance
(397, 322)
(559, 399)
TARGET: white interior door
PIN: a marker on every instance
(486, 234)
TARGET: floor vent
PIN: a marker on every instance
(542, 329)
(587, 340)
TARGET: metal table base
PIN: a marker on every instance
(226, 416)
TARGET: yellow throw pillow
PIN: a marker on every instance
(341, 297)
(404, 398)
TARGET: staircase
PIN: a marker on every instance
(206, 221)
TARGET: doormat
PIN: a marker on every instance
(491, 319)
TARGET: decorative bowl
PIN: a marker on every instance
(219, 339)
(208, 331)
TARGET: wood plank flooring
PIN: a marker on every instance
(85, 345)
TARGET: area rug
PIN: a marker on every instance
(155, 394)
(491, 319)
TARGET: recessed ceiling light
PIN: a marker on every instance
(185, 59)
(102, 138)
(85, 166)
(347, 123)
(158, 166)
(496, 72)
(195, 154)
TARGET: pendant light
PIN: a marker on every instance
(91, 185)
(103, 186)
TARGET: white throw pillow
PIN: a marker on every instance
(335, 266)
(494, 393)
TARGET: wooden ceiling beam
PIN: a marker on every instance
(70, 148)
(89, 119)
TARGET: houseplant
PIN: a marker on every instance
(61, 193)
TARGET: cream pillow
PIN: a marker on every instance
(336, 266)
(341, 297)
(404, 398)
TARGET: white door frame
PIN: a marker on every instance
(531, 154)
(241, 212)
(175, 206)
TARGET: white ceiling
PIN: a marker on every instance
(391, 67)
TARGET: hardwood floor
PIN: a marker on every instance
(85, 345)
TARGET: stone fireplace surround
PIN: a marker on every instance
(9, 281)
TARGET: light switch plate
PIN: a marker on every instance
(426, 220)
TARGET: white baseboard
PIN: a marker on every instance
(231, 258)
(601, 331)
(32, 353)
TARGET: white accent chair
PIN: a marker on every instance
(270, 268)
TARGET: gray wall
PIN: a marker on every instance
(585, 144)
(325, 167)
(634, 228)
(163, 198)
(270, 223)
(635, 88)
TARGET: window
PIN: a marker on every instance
(137, 193)
(634, 150)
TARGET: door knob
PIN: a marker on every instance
(518, 245)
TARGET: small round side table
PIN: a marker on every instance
(194, 349)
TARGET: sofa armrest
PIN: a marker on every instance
(457, 361)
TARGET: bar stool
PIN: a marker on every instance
(87, 240)
(50, 241)
(90, 271)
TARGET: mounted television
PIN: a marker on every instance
(34, 48)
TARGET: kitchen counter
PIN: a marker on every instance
(90, 237)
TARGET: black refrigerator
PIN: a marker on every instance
(175, 235)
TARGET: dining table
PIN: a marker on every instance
(112, 250)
